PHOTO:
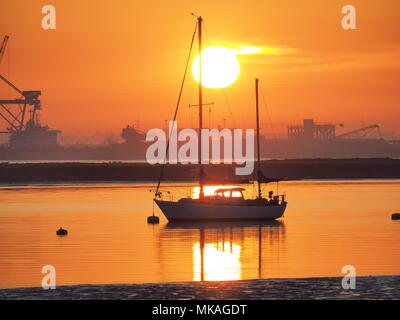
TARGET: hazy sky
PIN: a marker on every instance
(110, 63)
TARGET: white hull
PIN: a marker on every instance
(184, 211)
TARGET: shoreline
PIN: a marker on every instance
(297, 169)
(153, 183)
(367, 287)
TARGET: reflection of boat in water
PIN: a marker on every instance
(225, 203)
(223, 250)
(224, 224)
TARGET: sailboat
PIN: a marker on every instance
(226, 204)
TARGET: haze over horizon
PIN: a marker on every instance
(107, 62)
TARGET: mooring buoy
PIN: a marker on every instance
(153, 219)
(396, 216)
(61, 232)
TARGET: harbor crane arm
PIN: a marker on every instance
(3, 47)
(2, 50)
(363, 130)
(11, 115)
(11, 85)
(29, 98)
(9, 122)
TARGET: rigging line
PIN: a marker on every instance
(176, 110)
(278, 146)
(206, 40)
(212, 116)
(206, 33)
(229, 107)
(270, 122)
(267, 111)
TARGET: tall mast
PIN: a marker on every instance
(258, 143)
(201, 172)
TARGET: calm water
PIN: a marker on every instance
(327, 225)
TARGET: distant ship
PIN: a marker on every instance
(39, 143)
(33, 135)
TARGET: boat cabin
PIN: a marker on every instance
(228, 193)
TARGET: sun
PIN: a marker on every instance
(220, 68)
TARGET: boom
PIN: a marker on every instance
(3, 47)
(364, 131)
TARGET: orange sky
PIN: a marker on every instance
(110, 63)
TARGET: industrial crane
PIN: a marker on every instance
(24, 133)
(361, 133)
(28, 98)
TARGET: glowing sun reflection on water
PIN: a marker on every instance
(216, 261)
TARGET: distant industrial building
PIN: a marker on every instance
(313, 140)
(310, 130)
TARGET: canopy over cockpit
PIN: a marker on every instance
(229, 192)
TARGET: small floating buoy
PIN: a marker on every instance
(396, 216)
(153, 219)
(61, 232)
